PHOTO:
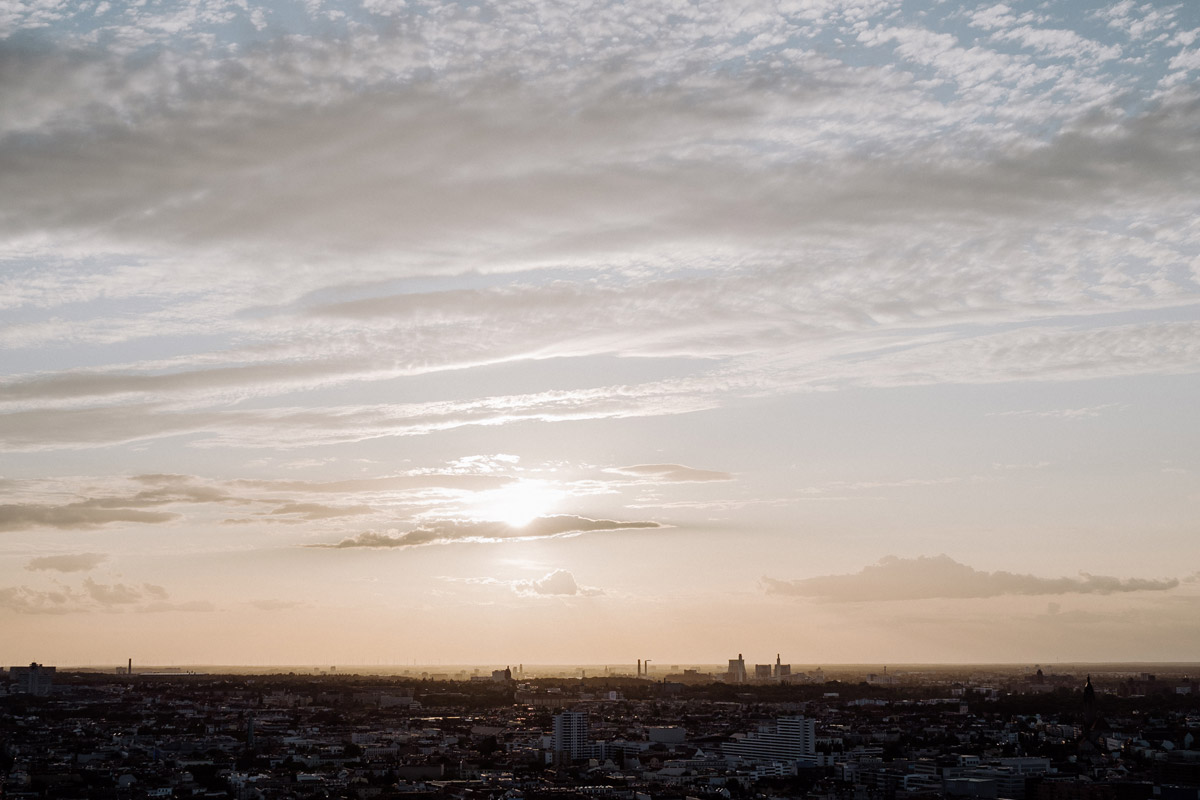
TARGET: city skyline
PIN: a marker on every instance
(867, 331)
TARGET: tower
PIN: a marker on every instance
(1089, 703)
(570, 735)
(737, 670)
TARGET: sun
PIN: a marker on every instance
(519, 504)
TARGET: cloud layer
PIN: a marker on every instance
(929, 577)
(672, 473)
(399, 193)
(75, 562)
(274, 275)
(452, 531)
(92, 596)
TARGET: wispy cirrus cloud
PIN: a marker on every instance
(1087, 412)
(930, 577)
(453, 531)
(298, 513)
(671, 473)
(1035, 354)
(159, 498)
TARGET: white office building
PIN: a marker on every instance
(571, 735)
(789, 739)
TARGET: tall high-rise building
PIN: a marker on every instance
(737, 670)
(781, 670)
(570, 735)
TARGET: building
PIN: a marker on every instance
(570, 735)
(737, 670)
(781, 670)
(762, 672)
(34, 679)
(789, 739)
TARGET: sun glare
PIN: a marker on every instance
(519, 504)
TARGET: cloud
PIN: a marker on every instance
(385, 483)
(1062, 413)
(24, 600)
(83, 515)
(94, 512)
(672, 473)
(51, 429)
(275, 605)
(160, 606)
(121, 594)
(558, 582)
(1041, 353)
(838, 487)
(928, 577)
(451, 531)
(90, 596)
(280, 501)
(317, 511)
(77, 562)
(668, 168)
(298, 513)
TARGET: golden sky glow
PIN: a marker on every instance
(852, 330)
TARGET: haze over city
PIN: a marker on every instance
(574, 332)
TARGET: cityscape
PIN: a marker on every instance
(835, 733)
(600, 399)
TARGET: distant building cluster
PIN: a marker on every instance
(763, 673)
(915, 735)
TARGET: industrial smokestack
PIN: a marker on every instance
(129, 669)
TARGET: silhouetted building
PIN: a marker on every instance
(781, 670)
(1091, 745)
(34, 679)
(737, 670)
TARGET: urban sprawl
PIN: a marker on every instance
(1024, 733)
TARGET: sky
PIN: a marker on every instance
(857, 331)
